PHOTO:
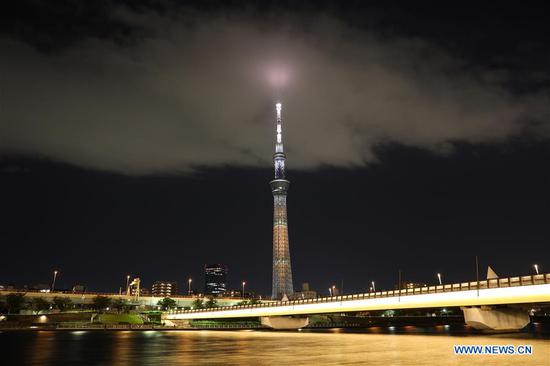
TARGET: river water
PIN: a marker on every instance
(333, 347)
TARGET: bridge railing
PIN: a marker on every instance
(463, 286)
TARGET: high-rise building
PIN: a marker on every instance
(164, 288)
(215, 276)
(282, 272)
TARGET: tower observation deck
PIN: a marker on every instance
(282, 272)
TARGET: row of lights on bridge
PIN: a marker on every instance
(372, 288)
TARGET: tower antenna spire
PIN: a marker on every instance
(279, 157)
(279, 145)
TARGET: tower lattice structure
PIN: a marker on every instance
(282, 271)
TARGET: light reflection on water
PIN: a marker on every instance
(333, 347)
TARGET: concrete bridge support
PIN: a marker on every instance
(284, 322)
(181, 323)
(489, 318)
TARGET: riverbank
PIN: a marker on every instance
(126, 322)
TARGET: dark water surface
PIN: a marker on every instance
(257, 348)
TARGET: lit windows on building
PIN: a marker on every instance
(164, 288)
(215, 277)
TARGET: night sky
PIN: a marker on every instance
(137, 137)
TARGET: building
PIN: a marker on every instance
(164, 288)
(282, 272)
(215, 279)
(79, 289)
(305, 293)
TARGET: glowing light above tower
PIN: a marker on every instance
(277, 75)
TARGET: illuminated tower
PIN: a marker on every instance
(282, 273)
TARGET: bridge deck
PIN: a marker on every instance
(513, 290)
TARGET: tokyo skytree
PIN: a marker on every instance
(282, 272)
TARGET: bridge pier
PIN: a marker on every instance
(284, 322)
(181, 323)
(486, 317)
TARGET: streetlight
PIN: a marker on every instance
(127, 283)
(373, 287)
(189, 286)
(536, 268)
(439, 277)
(244, 283)
(54, 277)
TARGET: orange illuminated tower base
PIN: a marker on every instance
(282, 271)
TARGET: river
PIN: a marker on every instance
(331, 347)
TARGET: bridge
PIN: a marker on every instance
(500, 303)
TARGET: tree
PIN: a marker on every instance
(3, 306)
(62, 303)
(248, 302)
(211, 303)
(167, 303)
(197, 304)
(101, 302)
(120, 305)
(38, 304)
(15, 302)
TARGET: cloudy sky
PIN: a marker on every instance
(185, 88)
(160, 90)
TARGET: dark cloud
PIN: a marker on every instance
(193, 90)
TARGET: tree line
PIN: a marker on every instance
(14, 303)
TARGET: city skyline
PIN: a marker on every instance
(386, 277)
